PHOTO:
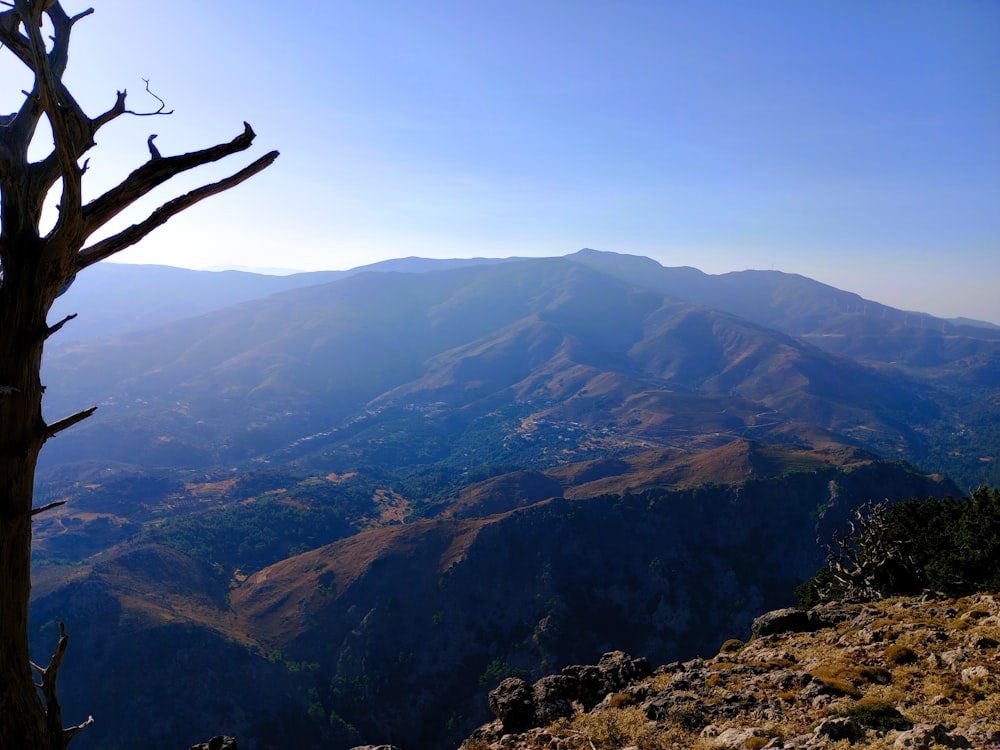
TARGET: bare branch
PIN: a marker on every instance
(55, 328)
(159, 111)
(153, 174)
(66, 422)
(69, 732)
(50, 506)
(63, 24)
(49, 676)
(870, 562)
(71, 129)
(116, 110)
(31, 13)
(128, 237)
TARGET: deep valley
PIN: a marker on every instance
(337, 509)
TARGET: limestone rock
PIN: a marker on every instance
(589, 682)
(841, 729)
(553, 698)
(512, 701)
(926, 736)
(619, 670)
(792, 620)
(734, 738)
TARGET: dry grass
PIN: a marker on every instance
(732, 646)
(893, 663)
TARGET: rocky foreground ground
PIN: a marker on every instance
(900, 673)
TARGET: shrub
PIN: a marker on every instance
(838, 679)
(612, 729)
(899, 654)
(621, 700)
(950, 546)
(878, 715)
(732, 646)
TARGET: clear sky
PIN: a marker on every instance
(852, 141)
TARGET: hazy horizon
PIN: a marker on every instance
(853, 143)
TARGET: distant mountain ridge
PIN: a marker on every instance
(299, 361)
(118, 297)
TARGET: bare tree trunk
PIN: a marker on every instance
(22, 322)
(22, 716)
(34, 270)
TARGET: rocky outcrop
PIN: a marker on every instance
(792, 620)
(902, 674)
(520, 707)
(513, 704)
(927, 736)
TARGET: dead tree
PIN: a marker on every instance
(34, 269)
(870, 562)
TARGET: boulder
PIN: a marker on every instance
(841, 729)
(792, 620)
(553, 698)
(734, 738)
(619, 670)
(512, 702)
(926, 736)
(589, 684)
(520, 706)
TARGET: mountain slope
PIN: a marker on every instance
(399, 631)
(116, 298)
(574, 343)
(379, 493)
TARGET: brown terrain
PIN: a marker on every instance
(344, 512)
(886, 675)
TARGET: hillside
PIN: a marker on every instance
(889, 674)
(346, 503)
(546, 340)
(116, 298)
(542, 341)
(513, 578)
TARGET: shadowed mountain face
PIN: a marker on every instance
(397, 632)
(551, 338)
(342, 505)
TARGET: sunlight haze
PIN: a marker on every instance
(852, 142)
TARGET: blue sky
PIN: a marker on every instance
(855, 142)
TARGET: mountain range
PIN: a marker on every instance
(339, 507)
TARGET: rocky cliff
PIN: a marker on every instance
(900, 673)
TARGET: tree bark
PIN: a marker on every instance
(23, 721)
(34, 270)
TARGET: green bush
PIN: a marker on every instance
(877, 715)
